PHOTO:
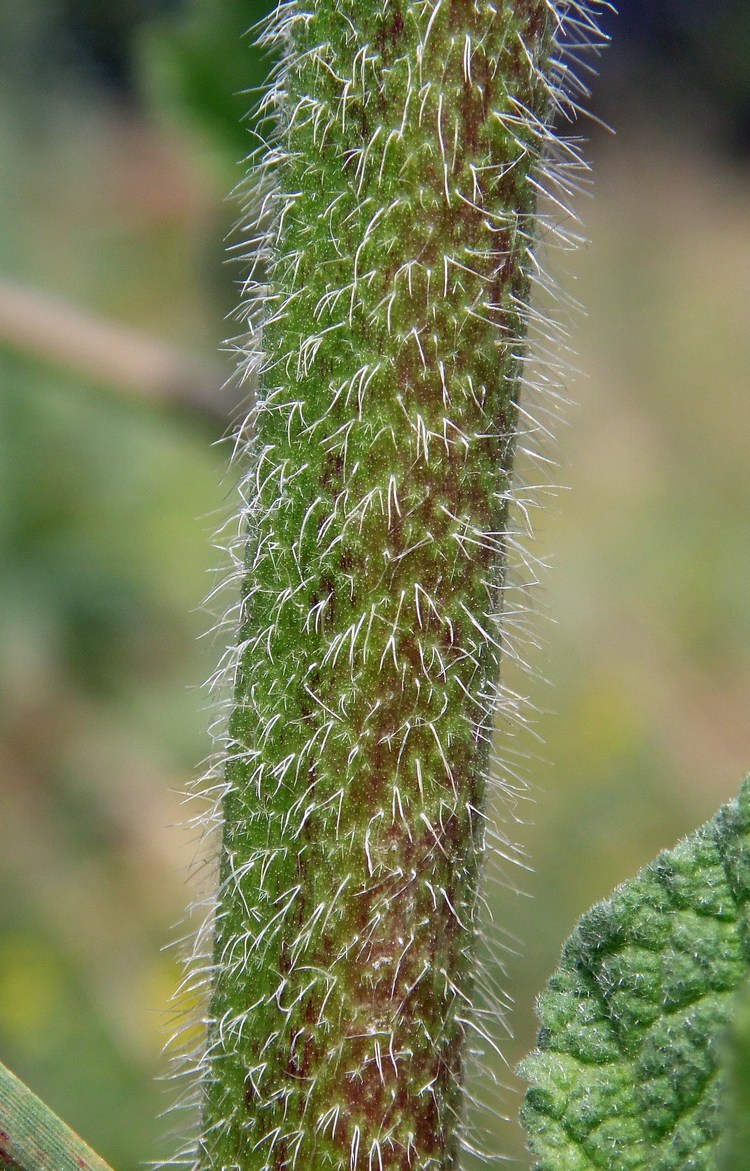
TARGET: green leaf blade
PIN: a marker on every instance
(33, 1138)
(627, 1074)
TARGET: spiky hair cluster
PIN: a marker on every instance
(393, 226)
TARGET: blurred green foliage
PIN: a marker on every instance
(688, 61)
(106, 509)
(205, 70)
(84, 43)
(106, 512)
(735, 1155)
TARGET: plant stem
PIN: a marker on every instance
(44, 328)
(397, 221)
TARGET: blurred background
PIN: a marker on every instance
(121, 126)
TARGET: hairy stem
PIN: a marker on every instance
(396, 223)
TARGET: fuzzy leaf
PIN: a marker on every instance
(627, 1072)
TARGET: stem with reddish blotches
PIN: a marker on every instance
(396, 232)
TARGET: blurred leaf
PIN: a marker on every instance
(736, 1149)
(626, 1075)
(205, 70)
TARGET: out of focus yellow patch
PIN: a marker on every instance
(31, 990)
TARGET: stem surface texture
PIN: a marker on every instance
(394, 229)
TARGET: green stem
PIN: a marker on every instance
(401, 201)
(33, 1138)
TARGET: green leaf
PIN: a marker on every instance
(627, 1074)
(33, 1138)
